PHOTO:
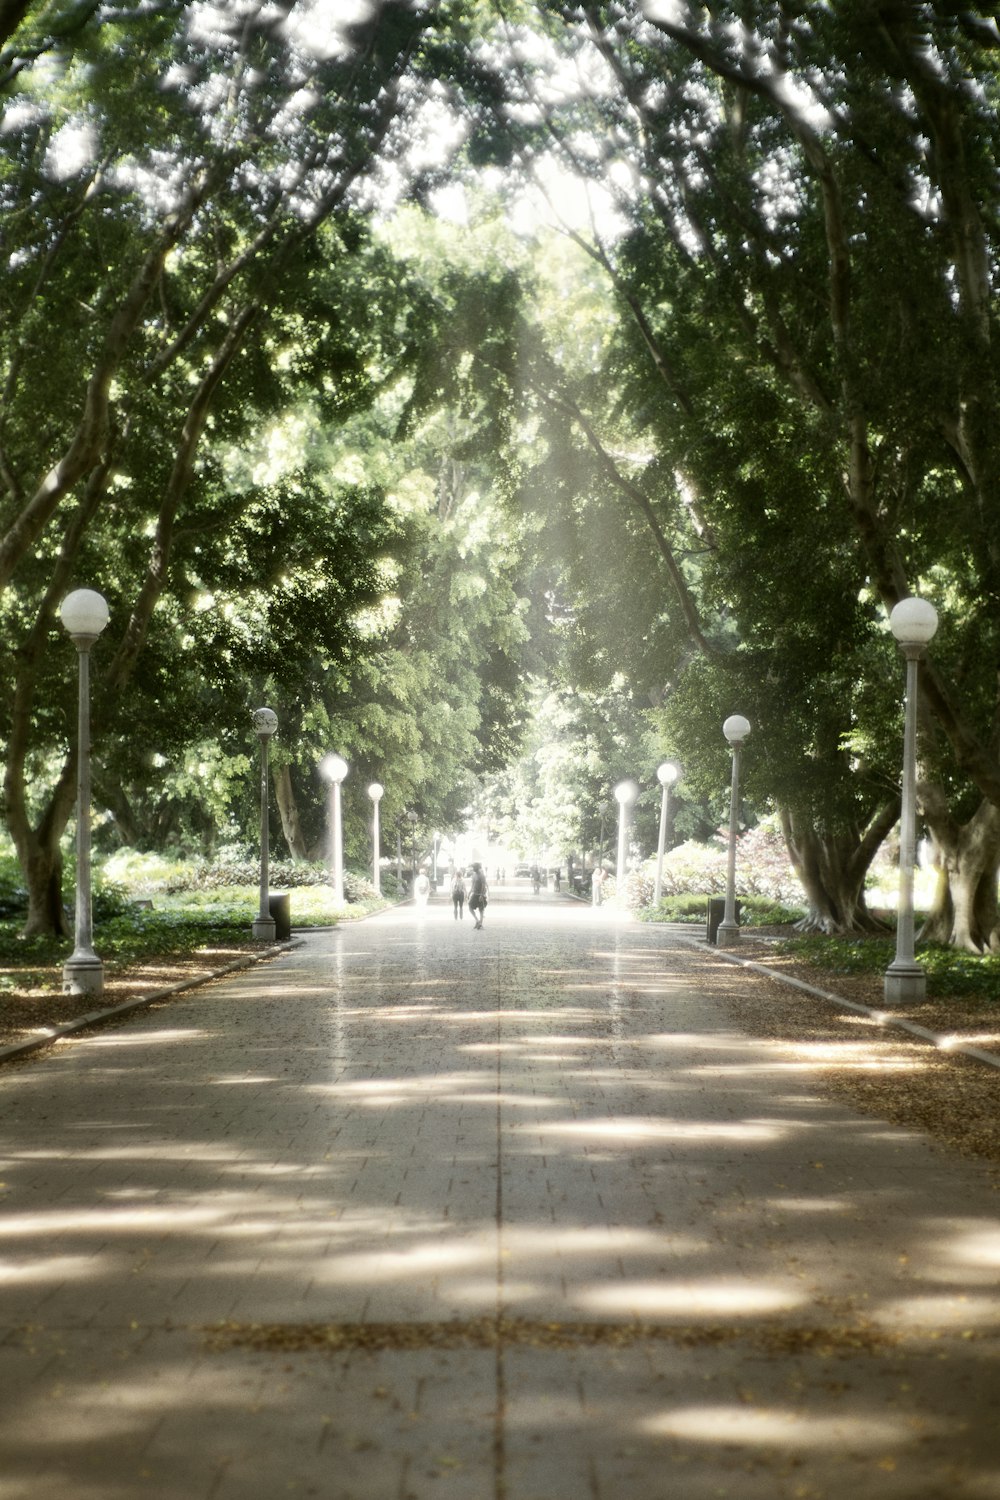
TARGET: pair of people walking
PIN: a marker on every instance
(478, 895)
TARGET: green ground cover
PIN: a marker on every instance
(951, 973)
(147, 907)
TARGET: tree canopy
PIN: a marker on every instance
(389, 363)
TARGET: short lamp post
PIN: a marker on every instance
(913, 623)
(434, 864)
(625, 794)
(666, 775)
(84, 613)
(335, 768)
(265, 722)
(375, 792)
(736, 729)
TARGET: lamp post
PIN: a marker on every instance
(412, 819)
(335, 768)
(375, 792)
(265, 722)
(666, 775)
(625, 794)
(913, 623)
(84, 613)
(736, 729)
(434, 862)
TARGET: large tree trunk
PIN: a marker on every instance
(832, 869)
(41, 864)
(967, 858)
(288, 809)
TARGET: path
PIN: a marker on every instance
(417, 1211)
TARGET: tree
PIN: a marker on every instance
(437, 699)
(812, 186)
(164, 189)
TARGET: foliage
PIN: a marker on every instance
(771, 483)
(762, 867)
(949, 972)
(198, 881)
(196, 302)
(755, 911)
(557, 799)
(394, 471)
(130, 938)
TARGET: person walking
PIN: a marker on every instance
(478, 895)
(458, 895)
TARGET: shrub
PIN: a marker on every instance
(692, 868)
(109, 899)
(174, 877)
(763, 868)
(950, 971)
(755, 911)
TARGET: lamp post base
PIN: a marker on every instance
(728, 935)
(265, 929)
(83, 975)
(904, 983)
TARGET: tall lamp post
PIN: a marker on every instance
(84, 613)
(375, 792)
(736, 729)
(913, 623)
(412, 819)
(335, 768)
(265, 722)
(625, 794)
(666, 775)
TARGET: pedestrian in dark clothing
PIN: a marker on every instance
(478, 895)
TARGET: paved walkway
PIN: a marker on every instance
(417, 1211)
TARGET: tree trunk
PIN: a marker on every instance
(967, 858)
(115, 798)
(42, 867)
(291, 826)
(832, 869)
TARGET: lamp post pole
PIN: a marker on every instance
(335, 768)
(625, 795)
(666, 775)
(84, 613)
(411, 818)
(265, 722)
(736, 729)
(913, 622)
(375, 792)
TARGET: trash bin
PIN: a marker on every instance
(279, 904)
(716, 912)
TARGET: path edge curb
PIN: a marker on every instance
(942, 1042)
(52, 1034)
